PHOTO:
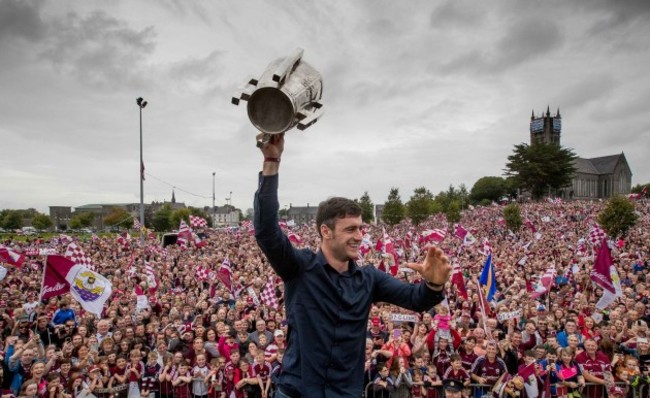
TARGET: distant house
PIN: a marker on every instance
(302, 214)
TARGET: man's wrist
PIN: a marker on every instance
(434, 286)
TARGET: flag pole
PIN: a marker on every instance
(43, 278)
(482, 306)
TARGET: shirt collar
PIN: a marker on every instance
(352, 265)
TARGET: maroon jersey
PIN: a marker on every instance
(460, 374)
(468, 359)
(263, 370)
(597, 366)
(442, 362)
(490, 370)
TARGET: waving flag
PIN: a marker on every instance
(458, 280)
(459, 231)
(62, 275)
(600, 273)
(225, 274)
(198, 222)
(487, 247)
(596, 235)
(11, 257)
(76, 254)
(488, 279)
(608, 298)
(268, 296)
(432, 235)
(136, 224)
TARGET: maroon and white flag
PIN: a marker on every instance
(62, 275)
(458, 280)
(432, 235)
(11, 257)
(268, 296)
(459, 231)
(600, 273)
(76, 254)
(198, 222)
(225, 274)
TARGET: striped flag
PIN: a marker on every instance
(432, 235)
(136, 224)
(11, 257)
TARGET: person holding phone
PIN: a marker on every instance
(397, 347)
(328, 296)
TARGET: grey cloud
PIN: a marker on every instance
(525, 40)
(100, 49)
(456, 14)
(592, 88)
(616, 14)
(21, 19)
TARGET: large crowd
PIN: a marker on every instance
(196, 337)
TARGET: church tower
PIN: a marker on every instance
(173, 197)
(545, 128)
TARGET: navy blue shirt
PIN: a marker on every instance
(327, 311)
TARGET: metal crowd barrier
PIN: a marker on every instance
(590, 390)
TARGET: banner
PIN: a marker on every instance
(395, 317)
(504, 316)
(251, 293)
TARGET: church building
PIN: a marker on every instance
(601, 177)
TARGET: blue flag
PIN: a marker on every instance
(488, 279)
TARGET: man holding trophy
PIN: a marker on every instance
(327, 295)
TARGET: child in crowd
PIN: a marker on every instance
(151, 376)
(443, 319)
(382, 386)
(182, 381)
(134, 371)
(200, 377)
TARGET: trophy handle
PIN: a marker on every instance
(262, 138)
(244, 91)
(287, 66)
(310, 114)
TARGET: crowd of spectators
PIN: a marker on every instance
(198, 338)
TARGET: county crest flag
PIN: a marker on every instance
(62, 275)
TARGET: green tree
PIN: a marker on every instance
(41, 221)
(512, 215)
(162, 219)
(82, 220)
(541, 168)
(12, 219)
(638, 188)
(283, 213)
(618, 216)
(453, 212)
(491, 188)
(394, 209)
(367, 208)
(420, 205)
(180, 214)
(118, 217)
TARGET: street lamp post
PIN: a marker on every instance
(141, 104)
(213, 208)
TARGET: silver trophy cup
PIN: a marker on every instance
(286, 95)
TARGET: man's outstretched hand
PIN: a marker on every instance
(435, 269)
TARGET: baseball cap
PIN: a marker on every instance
(541, 308)
(375, 321)
(278, 332)
(93, 368)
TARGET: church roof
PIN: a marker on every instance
(600, 165)
(585, 166)
(606, 164)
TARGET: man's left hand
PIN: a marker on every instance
(435, 269)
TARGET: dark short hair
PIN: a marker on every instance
(333, 208)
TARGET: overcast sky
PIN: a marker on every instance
(418, 93)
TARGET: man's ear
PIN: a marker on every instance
(325, 231)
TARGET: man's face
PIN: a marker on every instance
(260, 326)
(590, 346)
(344, 240)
